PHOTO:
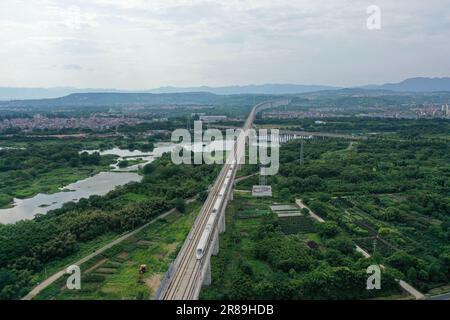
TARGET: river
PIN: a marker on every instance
(99, 184)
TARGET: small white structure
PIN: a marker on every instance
(286, 210)
(262, 191)
(213, 118)
(283, 207)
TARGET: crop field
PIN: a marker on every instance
(393, 190)
(268, 257)
(115, 273)
(293, 225)
(248, 214)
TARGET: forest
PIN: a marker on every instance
(389, 194)
(258, 259)
(408, 128)
(29, 246)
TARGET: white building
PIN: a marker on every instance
(213, 118)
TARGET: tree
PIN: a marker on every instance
(329, 229)
(411, 275)
(147, 146)
(149, 169)
(342, 244)
(123, 164)
(203, 195)
(180, 205)
(242, 287)
(403, 261)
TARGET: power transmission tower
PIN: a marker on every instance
(302, 156)
(188, 123)
(262, 179)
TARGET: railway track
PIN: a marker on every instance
(189, 267)
(186, 279)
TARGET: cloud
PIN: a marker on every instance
(142, 44)
(72, 67)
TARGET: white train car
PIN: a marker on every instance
(207, 232)
(203, 242)
(222, 191)
(204, 239)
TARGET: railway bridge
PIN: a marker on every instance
(192, 267)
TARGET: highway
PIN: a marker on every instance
(315, 134)
(444, 296)
(187, 278)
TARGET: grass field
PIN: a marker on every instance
(49, 182)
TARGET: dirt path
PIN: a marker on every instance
(154, 282)
(44, 284)
(404, 285)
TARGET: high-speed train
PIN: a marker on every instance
(207, 232)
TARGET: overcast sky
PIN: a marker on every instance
(143, 44)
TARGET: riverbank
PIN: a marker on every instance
(52, 189)
(28, 171)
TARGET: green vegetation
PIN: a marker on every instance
(26, 172)
(408, 128)
(28, 246)
(257, 260)
(115, 273)
(294, 225)
(390, 194)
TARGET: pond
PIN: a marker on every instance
(99, 184)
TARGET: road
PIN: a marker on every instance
(44, 284)
(324, 134)
(300, 203)
(444, 296)
(404, 285)
(302, 133)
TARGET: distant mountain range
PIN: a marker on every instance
(408, 85)
(415, 85)
(50, 93)
(92, 99)
(249, 89)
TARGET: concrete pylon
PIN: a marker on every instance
(222, 222)
(207, 277)
(215, 250)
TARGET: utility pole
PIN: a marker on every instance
(302, 156)
(262, 178)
